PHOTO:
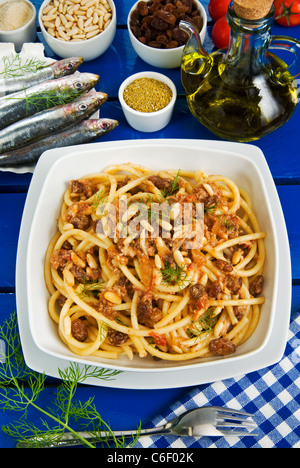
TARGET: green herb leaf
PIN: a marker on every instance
(21, 388)
(14, 66)
(174, 275)
(168, 192)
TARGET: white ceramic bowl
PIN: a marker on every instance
(148, 121)
(88, 49)
(162, 58)
(245, 164)
(26, 33)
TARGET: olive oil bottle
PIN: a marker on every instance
(246, 92)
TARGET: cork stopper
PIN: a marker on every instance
(252, 9)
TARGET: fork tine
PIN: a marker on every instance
(244, 424)
(221, 417)
(230, 433)
(231, 411)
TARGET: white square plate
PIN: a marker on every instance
(243, 163)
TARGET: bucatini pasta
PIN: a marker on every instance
(165, 263)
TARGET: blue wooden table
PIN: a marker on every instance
(126, 408)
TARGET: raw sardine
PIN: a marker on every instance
(83, 132)
(53, 71)
(50, 121)
(44, 95)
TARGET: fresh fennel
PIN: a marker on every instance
(14, 65)
(21, 388)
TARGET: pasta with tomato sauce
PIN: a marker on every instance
(167, 264)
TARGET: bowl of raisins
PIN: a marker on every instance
(154, 31)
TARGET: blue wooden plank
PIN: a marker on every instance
(289, 197)
(11, 213)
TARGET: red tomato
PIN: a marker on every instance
(218, 8)
(287, 12)
(159, 340)
(220, 33)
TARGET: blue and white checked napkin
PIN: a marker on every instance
(272, 395)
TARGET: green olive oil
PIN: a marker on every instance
(242, 109)
(245, 92)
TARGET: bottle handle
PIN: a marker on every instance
(291, 45)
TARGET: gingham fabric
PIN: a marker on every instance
(271, 395)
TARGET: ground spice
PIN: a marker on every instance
(14, 15)
(147, 95)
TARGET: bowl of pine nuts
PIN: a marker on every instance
(84, 28)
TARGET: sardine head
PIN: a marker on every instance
(107, 124)
(86, 104)
(85, 82)
(70, 64)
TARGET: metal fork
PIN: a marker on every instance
(213, 421)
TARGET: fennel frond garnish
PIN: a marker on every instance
(174, 275)
(21, 389)
(14, 66)
(47, 98)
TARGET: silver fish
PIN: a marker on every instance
(50, 121)
(44, 95)
(85, 131)
(55, 70)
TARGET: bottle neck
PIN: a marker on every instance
(249, 41)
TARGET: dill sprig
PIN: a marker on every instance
(86, 289)
(21, 389)
(15, 65)
(46, 99)
(211, 208)
(174, 275)
(98, 198)
(204, 325)
(168, 192)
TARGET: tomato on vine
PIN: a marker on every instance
(221, 33)
(287, 12)
(218, 8)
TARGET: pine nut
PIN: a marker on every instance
(47, 9)
(107, 24)
(69, 277)
(77, 260)
(175, 210)
(178, 257)
(63, 35)
(131, 211)
(70, 18)
(48, 24)
(146, 225)
(208, 189)
(88, 22)
(112, 297)
(80, 14)
(91, 261)
(80, 23)
(48, 18)
(158, 262)
(165, 225)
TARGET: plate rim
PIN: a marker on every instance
(48, 159)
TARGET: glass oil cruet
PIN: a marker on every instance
(246, 92)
